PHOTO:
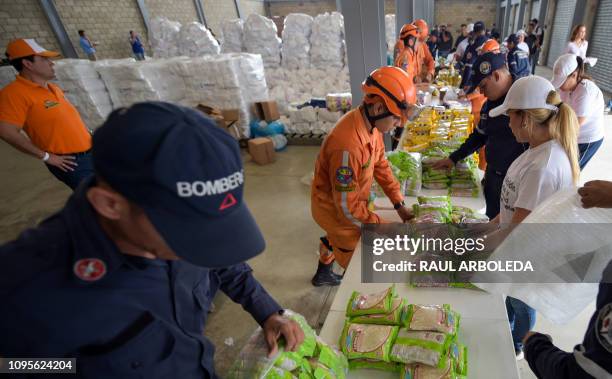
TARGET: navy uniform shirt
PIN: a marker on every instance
(469, 57)
(67, 291)
(518, 63)
(592, 359)
(494, 133)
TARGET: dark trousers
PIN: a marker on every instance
(83, 170)
(492, 186)
(522, 319)
(586, 152)
(533, 59)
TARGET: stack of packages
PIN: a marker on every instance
(464, 179)
(296, 41)
(7, 75)
(233, 31)
(314, 359)
(434, 178)
(260, 37)
(195, 40)
(390, 32)
(164, 37)
(327, 41)
(150, 80)
(432, 210)
(310, 120)
(384, 332)
(407, 169)
(84, 89)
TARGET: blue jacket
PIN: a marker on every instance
(469, 57)
(137, 46)
(86, 46)
(494, 133)
(591, 359)
(133, 318)
(518, 63)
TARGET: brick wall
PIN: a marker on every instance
(24, 19)
(182, 11)
(312, 8)
(252, 6)
(457, 12)
(217, 11)
(106, 22)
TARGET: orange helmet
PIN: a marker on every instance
(423, 28)
(394, 86)
(409, 30)
(489, 46)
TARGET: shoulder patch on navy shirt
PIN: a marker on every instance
(89, 269)
(603, 327)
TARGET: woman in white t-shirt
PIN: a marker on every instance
(579, 91)
(578, 44)
(539, 117)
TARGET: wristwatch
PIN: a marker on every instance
(46, 157)
(398, 205)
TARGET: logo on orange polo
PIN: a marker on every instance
(50, 104)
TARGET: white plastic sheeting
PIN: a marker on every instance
(84, 88)
(390, 37)
(233, 31)
(327, 47)
(7, 75)
(164, 37)
(296, 40)
(260, 37)
(196, 40)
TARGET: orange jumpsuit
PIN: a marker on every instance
(397, 49)
(407, 61)
(425, 62)
(477, 99)
(349, 160)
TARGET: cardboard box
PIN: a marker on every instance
(266, 110)
(224, 118)
(262, 150)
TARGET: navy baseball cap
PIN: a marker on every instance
(186, 174)
(512, 38)
(479, 26)
(484, 66)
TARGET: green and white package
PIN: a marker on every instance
(425, 347)
(441, 201)
(288, 360)
(356, 364)
(362, 304)
(332, 359)
(458, 353)
(395, 317)
(420, 371)
(279, 373)
(435, 318)
(368, 341)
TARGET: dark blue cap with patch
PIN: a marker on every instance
(186, 174)
(479, 26)
(484, 66)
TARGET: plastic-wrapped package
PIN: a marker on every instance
(339, 101)
(304, 114)
(435, 318)
(409, 165)
(7, 75)
(85, 89)
(296, 40)
(356, 364)
(425, 347)
(368, 341)
(196, 40)
(328, 116)
(458, 353)
(327, 41)
(164, 37)
(366, 304)
(233, 31)
(422, 371)
(390, 32)
(260, 37)
(395, 317)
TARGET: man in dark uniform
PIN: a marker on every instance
(593, 358)
(491, 76)
(123, 276)
(471, 53)
(518, 60)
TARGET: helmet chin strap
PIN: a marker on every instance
(373, 119)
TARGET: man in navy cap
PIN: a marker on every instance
(490, 74)
(123, 276)
(518, 59)
(471, 53)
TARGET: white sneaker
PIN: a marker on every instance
(520, 356)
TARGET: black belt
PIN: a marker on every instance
(76, 154)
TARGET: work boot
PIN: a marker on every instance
(325, 276)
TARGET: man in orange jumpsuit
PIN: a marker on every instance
(351, 157)
(425, 63)
(407, 57)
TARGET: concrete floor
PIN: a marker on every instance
(281, 205)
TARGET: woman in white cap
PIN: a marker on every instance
(539, 117)
(579, 91)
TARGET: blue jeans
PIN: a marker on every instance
(83, 170)
(139, 56)
(522, 319)
(586, 152)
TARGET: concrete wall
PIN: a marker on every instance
(24, 19)
(252, 6)
(311, 8)
(457, 12)
(176, 10)
(217, 11)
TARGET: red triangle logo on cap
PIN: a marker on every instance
(229, 201)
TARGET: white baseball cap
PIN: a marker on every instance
(529, 92)
(521, 32)
(564, 66)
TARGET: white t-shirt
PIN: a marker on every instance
(523, 46)
(533, 177)
(462, 47)
(587, 101)
(580, 51)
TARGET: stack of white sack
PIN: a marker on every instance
(7, 75)
(196, 40)
(390, 32)
(309, 120)
(327, 48)
(85, 89)
(296, 40)
(225, 81)
(164, 37)
(150, 80)
(233, 31)
(260, 37)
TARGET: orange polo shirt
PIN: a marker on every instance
(52, 123)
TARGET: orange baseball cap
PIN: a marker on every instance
(20, 48)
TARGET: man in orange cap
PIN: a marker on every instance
(57, 135)
(351, 157)
(426, 66)
(407, 57)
